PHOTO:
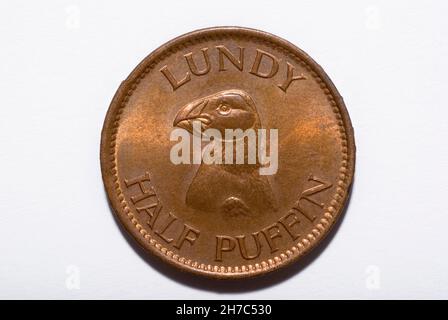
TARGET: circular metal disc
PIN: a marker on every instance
(217, 218)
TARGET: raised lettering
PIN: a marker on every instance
(224, 52)
(290, 77)
(223, 244)
(145, 192)
(188, 234)
(306, 195)
(192, 65)
(243, 247)
(288, 221)
(256, 66)
(169, 221)
(172, 80)
(271, 232)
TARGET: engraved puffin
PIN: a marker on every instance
(231, 189)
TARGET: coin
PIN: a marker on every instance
(228, 152)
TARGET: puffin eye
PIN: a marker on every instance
(224, 109)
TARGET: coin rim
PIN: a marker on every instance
(110, 176)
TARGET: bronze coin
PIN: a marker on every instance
(228, 206)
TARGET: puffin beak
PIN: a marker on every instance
(191, 112)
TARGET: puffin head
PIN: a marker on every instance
(229, 109)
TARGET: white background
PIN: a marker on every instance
(60, 65)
